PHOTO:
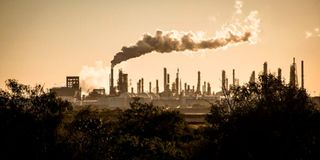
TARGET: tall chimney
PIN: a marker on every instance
(120, 82)
(157, 86)
(233, 77)
(111, 87)
(223, 80)
(180, 88)
(165, 79)
(293, 74)
(265, 68)
(125, 83)
(139, 87)
(253, 77)
(302, 75)
(149, 87)
(142, 85)
(209, 89)
(198, 84)
(177, 82)
(168, 82)
(227, 85)
(279, 74)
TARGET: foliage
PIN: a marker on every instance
(29, 118)
(266, 120)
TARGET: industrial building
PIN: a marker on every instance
(72, 90)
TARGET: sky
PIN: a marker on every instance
(43, 41)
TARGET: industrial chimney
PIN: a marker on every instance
(279, 74)
(198, 84)
(157, 86)
(233, 77)
(265, 68)
(165, 79)
(149, 87)
(223, 80)
(177, 82)
(111, 87)
(302, 75)
(142, 86)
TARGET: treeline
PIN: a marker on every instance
(263, 120)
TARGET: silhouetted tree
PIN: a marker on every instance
(268, 120)
(29, 118)
(148, 132)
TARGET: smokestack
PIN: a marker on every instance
(157, 86)
(302, 75)
(142, 85)
(209, 89)
(253, 77)
(180, 88)
(279, 74)
(125, 83)
(198, 84)
(120, 82)
(177, 82)
(233, 77)
(223, 80)
(265, 68)
(168, 82)
(111, 88)
(165, 79)
(227, 85)
(139, 87)
(293, 74)
(149, 87)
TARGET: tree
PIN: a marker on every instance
(29, 118)
(148, 132)
(268, 120)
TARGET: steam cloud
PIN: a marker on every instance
(165, 42)
(94, 77)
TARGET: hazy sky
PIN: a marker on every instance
(43, 41)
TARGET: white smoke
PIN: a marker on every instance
(239, 24)
(312, 33)
(97, 76)
(92, 77)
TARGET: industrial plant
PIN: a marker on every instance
(175, 93)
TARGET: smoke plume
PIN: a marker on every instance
(94, 77)
(164, 42)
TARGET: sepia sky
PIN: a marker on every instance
(42, 41)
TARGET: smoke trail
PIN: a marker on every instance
(165, 42)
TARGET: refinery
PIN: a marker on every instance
(175, 93)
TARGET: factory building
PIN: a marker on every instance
(72, 90)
